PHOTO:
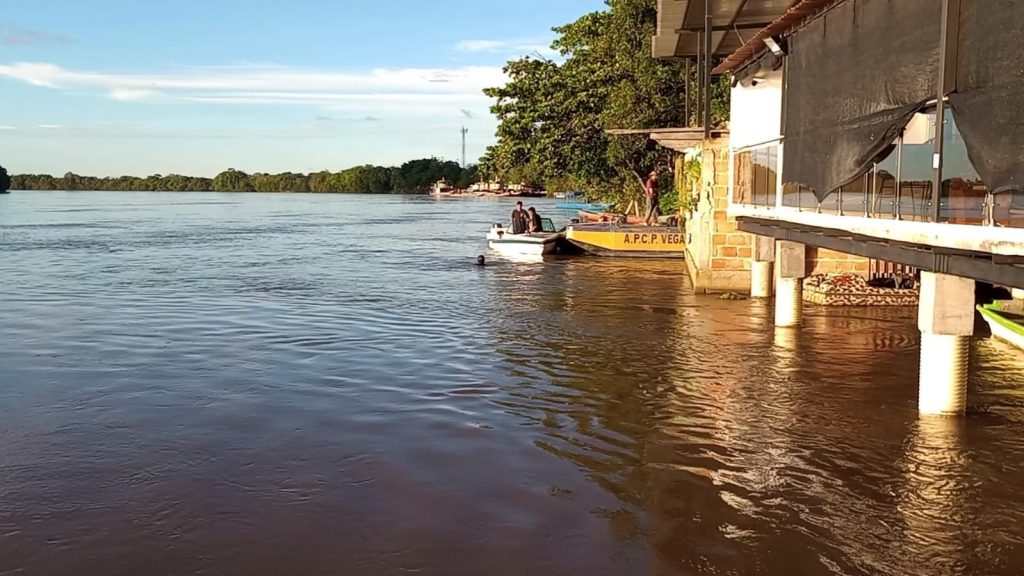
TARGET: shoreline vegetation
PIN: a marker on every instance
(415, 176)
(556, 115)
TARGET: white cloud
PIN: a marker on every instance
(12, 35)
(132, 94)
(481, 45)
(512, 46)
(3, 127)
(408, 89)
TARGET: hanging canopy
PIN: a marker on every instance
(989, 102)
(855, 77)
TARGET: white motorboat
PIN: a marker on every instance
(503, 241)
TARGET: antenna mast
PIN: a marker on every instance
(464, 132)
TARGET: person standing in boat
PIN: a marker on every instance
(520, 219)
(535, 224)
(651, 190)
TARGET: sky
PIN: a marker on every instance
(139, 87)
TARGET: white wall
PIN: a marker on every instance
(756, 111)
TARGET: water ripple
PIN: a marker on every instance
(254, 384)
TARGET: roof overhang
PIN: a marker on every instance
(734, 23)
(678, 139)
(796, 15)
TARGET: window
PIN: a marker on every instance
(755, 176)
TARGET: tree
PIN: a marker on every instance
(5, 180)
(232, 180)
(554, 116)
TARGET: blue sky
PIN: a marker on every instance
(109, 87)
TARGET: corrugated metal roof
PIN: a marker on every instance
(796, 15)
(733, 23)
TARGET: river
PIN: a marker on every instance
(249, 384)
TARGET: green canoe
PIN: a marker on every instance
(1006, 324)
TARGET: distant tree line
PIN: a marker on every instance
(411, 177)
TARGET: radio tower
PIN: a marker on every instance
(464, 132)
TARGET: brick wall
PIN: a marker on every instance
(718, 254)
(825, 261)
(731, 249)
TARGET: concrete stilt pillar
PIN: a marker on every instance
(762, 267)
(761, 279)
(789, 302)
(791, 263)
(944, 359)
(946, 320)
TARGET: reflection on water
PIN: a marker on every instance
(936, 488)
(259, 384)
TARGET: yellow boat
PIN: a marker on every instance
(610, 239)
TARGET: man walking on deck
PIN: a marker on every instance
(651, 190)
(519, 219)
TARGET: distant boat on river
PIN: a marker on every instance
(573, 201)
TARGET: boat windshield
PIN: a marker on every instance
(546, 225)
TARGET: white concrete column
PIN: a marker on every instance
(789, 302)
(946, 320)
(791, 264)
(762, 267)
(761, 279)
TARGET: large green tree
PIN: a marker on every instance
(5, 180)
(554, 115)
(232, 180)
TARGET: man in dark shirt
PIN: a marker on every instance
(651, 190)
(520, 219)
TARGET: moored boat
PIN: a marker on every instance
(577, 201)
(1006, 325)
(610, 239)
(504, 242)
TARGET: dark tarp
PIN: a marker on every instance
(989, 102)
(855, 77)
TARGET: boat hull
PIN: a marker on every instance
(1002, 327)
(628, 241)
(507, 244)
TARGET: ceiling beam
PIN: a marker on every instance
(729, 27)
(693, 19)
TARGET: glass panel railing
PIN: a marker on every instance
(900, 186)
(964, 202)
(1008, 209)
(755, 176)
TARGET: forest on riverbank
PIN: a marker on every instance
(415, 176)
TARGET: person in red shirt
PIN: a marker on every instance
(651, 189)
